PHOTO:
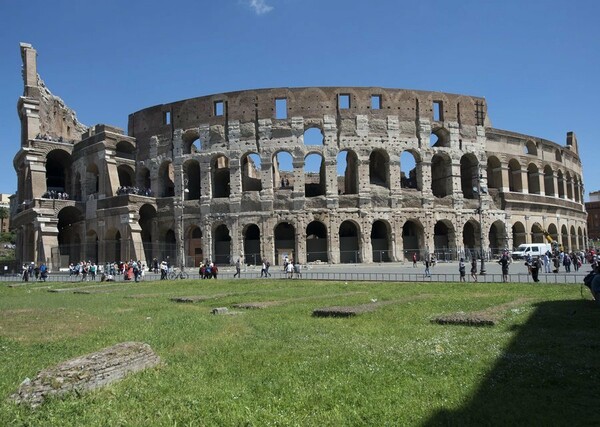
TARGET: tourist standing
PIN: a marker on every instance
(238, 269)
(414, 259)
(474, 269)
(504, 263)
(534, 267)
(461, 269)
(427, 264)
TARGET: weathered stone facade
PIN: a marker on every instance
(220, 190)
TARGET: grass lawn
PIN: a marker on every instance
(279, 365)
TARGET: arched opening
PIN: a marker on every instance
(166, 180)
(92, 179)
(494, 173)
(125, 150)
(349, 243)
(316, 242)
(553, 232)
(147, 219)
(412, 238)
(471, 238)
(548, 181)
(439, 137)
(191, 170)
(533, 179)
(564, 237)
(58, 171)
(519, 236)
(576, 188)
(220, 177)
(573, 240)
(580, 244)
(498, 238)
(530, 148)
(469, 175)
(444, 240)
(569, 185)
(347, 172)
(169, 247)
(537, 234)
(441, 175)
(126, 176)
(285, 242)
(143, 181)
(91, 246)
(222, 245)
(380, 242)
(69, 242)
(191, 142)
(557, 155)
(408, 171)
(514, 176)
(379, 168)
(252, 252)
(314, 175)
(313, 136)
(195, 247)
(251, 172)
(561, 184)
(283, 171)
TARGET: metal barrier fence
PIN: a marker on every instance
(341, 276)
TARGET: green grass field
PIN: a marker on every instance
(280, 365)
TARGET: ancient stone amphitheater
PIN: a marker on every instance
(320, 174)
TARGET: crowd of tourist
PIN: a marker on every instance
(46, 137)
(53, 194)
(135, 190)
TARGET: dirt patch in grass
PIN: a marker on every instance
(199, 298)
(487, 317)
(46, 325)
(348, 311)
(266, 304)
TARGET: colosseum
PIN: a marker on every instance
(320, 174)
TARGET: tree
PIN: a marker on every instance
(3, 216)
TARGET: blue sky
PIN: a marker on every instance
(536, 62)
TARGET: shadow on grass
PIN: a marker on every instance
(548, 375)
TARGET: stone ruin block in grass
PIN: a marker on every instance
(87, 372)
(189, 300)
(341, 311)
(465, 319)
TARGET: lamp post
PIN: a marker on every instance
(480, 190)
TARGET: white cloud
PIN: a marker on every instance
(260, 7)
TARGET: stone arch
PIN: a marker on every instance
(195, 245)
(549, 181)
(498, 237)
(557, 155)
(316, 242)
(379, 168)
(564, 238)
(191, 142)
(69, 241)
(313, 135)
(126, 176)
(380, 241)
(283, 170)
(191, 171)
(494, 172)
(222, 242)
(444, 240)
(143, 179)
(147, 219)
(408, 169)
(58, 171)
(580, 240)
(413, 238)
(314, 175)
(168, 245)
(515, 182)
(252, 251)
(166, 179)
(471, 237)
(251, 172)
(349, 236)
(561, 184)
(553, 232)
(537, 233)
(469, 168)
(347, 172)
(92, 246)
(533, 178)
(441, 175)
(440, 137)
(220, 176)
(285, 241)
(530, 147)
(573, 239)
(518, 234)
(569, 185)
(92, 180)
(125, 150)
(576, 188)
(112, 245)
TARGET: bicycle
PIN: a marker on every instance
(175, 274)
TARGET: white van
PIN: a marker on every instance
(533, 249)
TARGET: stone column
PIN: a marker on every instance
(505, 171)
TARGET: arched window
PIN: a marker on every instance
(314, 175)
(441, 175)
(379, 168)
(408, 171)
(347, 172)
(220, 177)
(251, 172)
(468, 176)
